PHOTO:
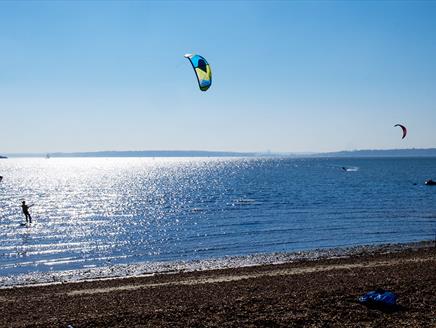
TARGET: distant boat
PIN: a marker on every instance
(430, 182)
(3, 157)
(47, 156)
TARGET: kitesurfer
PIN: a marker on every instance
(26, 212)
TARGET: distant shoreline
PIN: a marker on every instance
(367, 153)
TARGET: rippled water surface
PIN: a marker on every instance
(95, 212)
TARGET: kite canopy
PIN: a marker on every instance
(402, 128)
(379, 297)
(202, 71)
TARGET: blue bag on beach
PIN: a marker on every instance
(379, 297)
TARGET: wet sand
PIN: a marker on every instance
(304, 293)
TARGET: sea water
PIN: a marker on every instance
(97, 212)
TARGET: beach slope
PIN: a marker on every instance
(320, 293)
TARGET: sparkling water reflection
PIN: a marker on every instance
(95, 212)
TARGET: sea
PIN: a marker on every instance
(96, 213)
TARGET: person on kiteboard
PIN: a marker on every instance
(26, 212)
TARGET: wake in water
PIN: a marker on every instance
(350, 169)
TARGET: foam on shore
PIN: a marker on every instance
(152, 268)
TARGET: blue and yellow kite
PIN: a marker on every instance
(202, 70)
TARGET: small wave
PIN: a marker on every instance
(429, 216)
(244, 201)
(197, 209)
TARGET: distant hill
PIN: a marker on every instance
(429, 152)
(153, 153)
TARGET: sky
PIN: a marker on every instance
(309, 76)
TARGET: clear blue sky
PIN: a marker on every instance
(288, 76)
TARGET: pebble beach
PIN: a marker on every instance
(306, 292)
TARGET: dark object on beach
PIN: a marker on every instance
(1, 178)
(430, 182)
(380, 299)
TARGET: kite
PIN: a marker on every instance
(202, 71)
(403, 128)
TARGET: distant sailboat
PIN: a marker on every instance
(47, 156)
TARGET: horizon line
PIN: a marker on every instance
(200, 153)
